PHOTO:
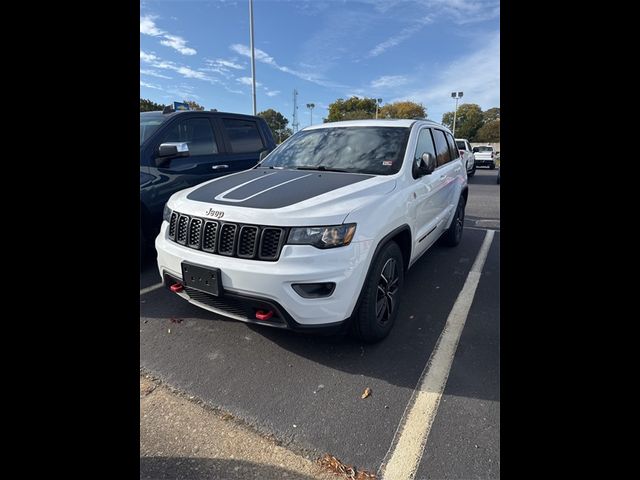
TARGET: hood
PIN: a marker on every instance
(283, 197)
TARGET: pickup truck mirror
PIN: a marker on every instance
(173, 149)
(169, 150)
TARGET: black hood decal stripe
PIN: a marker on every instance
(268, 188)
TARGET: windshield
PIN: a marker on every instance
(149, 123)
(483, 149)
(461, 145)
(373, 150)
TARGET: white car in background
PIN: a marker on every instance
(485, 156)
(468, 157)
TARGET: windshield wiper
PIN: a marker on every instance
(322, 168)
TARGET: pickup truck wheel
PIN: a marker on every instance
(473, 172)
(381, 296)
(492, 166)
(453, 235)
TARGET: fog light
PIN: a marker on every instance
(314, 290)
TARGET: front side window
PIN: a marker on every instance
(442, 148)
(244, 135)
(424, 145)
(195, 132)
(461, 144)
(373, 150)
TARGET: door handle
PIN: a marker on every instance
(443, 176)
(218, 167)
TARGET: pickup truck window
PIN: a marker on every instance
(196, 132)
(244, 135)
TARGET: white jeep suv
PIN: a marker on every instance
(321, 232)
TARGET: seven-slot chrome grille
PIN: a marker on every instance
(256, 242)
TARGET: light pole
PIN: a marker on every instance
(311, 106)
(378, 101)
(253, 57)
(457, 96)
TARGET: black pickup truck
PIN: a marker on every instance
(180, 149)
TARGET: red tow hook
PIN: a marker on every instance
(176, 287)
(262, 315)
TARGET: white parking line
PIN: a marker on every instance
(151, 288)
(410, 438)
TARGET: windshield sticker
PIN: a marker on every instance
(387, 163)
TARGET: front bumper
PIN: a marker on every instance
(248, 284)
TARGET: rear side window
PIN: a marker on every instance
(196, 132)
(244, 135)
(442, 148)
(455, 153)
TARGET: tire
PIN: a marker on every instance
(453, 235)
(380, 299)
(492, 166)
(473, 171)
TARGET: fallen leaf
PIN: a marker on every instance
(335, 466)
(366, 393)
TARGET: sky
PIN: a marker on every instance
(416, 50)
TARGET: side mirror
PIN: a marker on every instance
(263, 154)
(425, 165)
(169, 150)
(173, 149)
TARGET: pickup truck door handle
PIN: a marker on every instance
(443, 176)
(218, 167)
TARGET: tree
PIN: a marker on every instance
(277, 123)
(194, 106)
(352, 109)
(468, 120)
(489, 132)
(491, 114)
(403, 110)
(149, 106)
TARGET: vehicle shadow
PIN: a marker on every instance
(488, 179)
(430, 290)
(171, 468)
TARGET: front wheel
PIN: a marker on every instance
(380, 300)
(492, 166)
(453, 235)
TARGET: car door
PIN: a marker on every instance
(243, 143)
(179, 173)
(424, 202)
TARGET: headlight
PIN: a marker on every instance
(323, 237)
(166, 214)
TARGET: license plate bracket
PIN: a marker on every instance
(204, 279)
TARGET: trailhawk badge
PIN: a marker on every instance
(214, 213)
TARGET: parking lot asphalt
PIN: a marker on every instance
(306, 390)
